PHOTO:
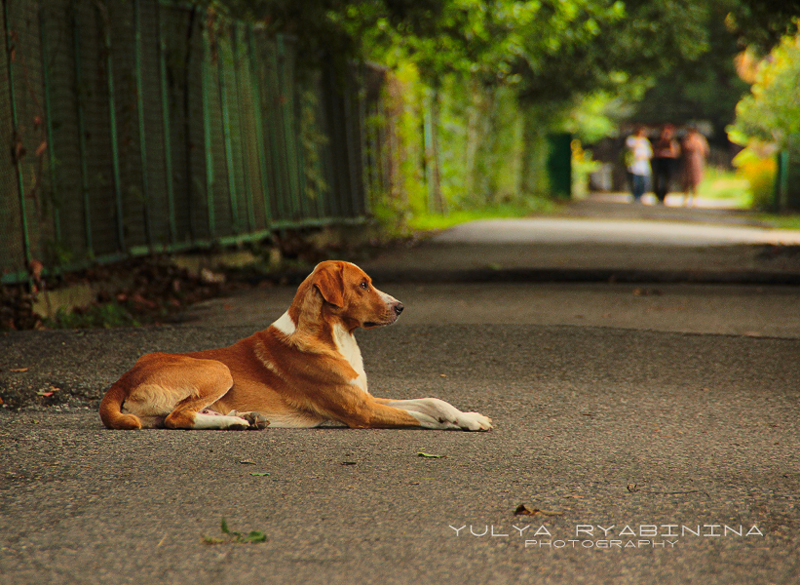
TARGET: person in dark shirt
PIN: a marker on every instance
(666, 152)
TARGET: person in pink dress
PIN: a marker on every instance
(695, 151)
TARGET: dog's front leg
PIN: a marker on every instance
(432, 413)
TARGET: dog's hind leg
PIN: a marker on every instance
(210, 380)
(176, 391)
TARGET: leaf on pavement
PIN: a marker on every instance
(235, 537)
(430, 456)
(49, 391)
(254, 536)
(525, 510)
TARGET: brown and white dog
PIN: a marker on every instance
(303, 370)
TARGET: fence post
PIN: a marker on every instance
(16, 147)
(137, 24)
(112, 121)
(289, 133)
(49, 127)
(277, 140)
(782, 180)
(209, 154)
(243, 146)
(256, 96)
(76, 59)
(226, 137)
(368, 166)
(300, 160)
(165, 121)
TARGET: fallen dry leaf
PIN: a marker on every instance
(524, 510)
(18, 370)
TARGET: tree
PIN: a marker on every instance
(768, 119)
(771, 113)
(760, 24)
(704, 87)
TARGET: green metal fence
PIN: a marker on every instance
(145, 125)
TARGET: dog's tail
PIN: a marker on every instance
(111, 410)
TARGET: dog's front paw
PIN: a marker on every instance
(474, 421)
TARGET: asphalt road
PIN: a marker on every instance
(595, 426)
(650, 430)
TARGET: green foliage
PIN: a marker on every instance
(493, 77)
(481, 155)
(770, 116)
(546, 50)
(525, 207)
(757, 166)
(782, 221)
(725, 185)
(596, 115)
(312, 139)
(582, 167)
(409, 101)
(102, 315)
(761, 24)
(481, 144)
(704, 87)
(771, 113)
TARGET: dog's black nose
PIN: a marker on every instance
(398, 308)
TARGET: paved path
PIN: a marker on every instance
(549, 231)
(598, 241)
(651, 429)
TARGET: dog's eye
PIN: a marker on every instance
(364, 285)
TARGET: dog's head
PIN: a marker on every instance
(345, 292)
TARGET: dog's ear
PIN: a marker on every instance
(330, 284)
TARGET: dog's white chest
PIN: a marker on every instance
(347, 346)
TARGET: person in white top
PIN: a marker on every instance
(639, 154)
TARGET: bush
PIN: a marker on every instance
(759, 169)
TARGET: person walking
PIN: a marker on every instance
(695, 150)
(638, 158)
(665, 155)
